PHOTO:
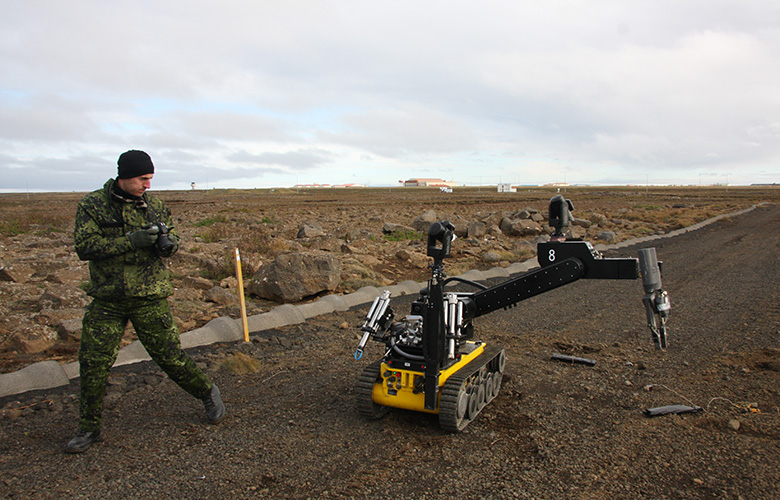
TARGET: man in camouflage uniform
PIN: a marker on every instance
(117, 230)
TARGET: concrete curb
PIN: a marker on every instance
(50, 374)
(43, 375)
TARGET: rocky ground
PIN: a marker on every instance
(373, 236)
(555, 431)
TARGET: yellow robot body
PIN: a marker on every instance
(400, 388)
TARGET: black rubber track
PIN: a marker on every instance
(453, 417)
(365, 387)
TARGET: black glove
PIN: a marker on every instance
(144, 237)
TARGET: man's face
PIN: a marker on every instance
(136, 186)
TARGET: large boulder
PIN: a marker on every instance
(33, 339)
(423, 222)
(310, 230)
(294, 276)
(196, 282)
(505, 225)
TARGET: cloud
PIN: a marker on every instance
(294, 160)
(395, 133)
(264, 92)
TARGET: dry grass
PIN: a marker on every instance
(241, 364)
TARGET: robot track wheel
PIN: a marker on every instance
(470, 389)
(365, 387)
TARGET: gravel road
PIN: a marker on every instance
(555, 431)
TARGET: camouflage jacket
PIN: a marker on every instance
(116, 269)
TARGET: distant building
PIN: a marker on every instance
(506, 188)
(429, 183)
(319, 186)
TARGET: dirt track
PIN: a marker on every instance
(555, 430)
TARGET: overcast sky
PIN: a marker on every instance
(273, 93)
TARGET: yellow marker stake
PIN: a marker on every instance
(240, 278)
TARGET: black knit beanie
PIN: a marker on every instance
(134, 163)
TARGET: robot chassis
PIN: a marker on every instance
(431, 365)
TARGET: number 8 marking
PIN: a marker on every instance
(551, 255)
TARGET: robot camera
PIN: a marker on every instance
(560, 213)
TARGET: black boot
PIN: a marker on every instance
(82, 441)
(215, 410)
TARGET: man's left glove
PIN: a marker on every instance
(144, 237)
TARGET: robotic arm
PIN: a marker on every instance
(656, 299)
(441, 320)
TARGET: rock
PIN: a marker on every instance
(53, 317)
(187, 294)
(523, 246)
(598, 219)
(291, 277)
(34, 338)
(608, 236)
(525, 227)
(493, 230)
(310, 230)
(58, 296)
(403, 254)
(17, 274)
(581, 223)
(221, 296)
(12, 413)
(369, 260)
(197, 283)
(734, 424)
(423, 222)
(412, 259)
(476, 229)
(491, 257)
(229, 282)
(69, 329)
(505, 225)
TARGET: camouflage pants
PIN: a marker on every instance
(102, 329)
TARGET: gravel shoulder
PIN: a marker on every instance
(555, 430)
